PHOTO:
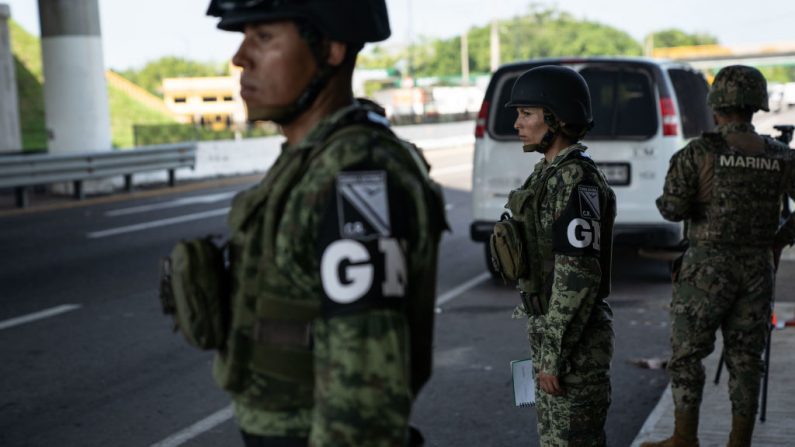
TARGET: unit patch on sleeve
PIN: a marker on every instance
(363, 205)
(589, 201)
(361, 251)
(578, 231)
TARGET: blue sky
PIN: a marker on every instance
(135, 32)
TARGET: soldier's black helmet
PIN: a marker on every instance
(559, 89)
(353, 21)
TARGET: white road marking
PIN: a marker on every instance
(157, 223)
(455, 293)
(225, 414)
(47, 313)
(209, 198)
(206, 424)
(456, 169)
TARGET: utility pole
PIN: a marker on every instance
(410, 33)
(648, 49)
(465, 58)
(495, 45)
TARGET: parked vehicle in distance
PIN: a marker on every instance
(775, 95)
(644, 110)
(788, 94)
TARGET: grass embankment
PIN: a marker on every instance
(124, 110)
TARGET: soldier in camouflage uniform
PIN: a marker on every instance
(333, 255)
(727, 186)
(566, 209)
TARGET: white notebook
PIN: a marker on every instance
(524, 384)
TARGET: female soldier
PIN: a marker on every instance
(563, 215)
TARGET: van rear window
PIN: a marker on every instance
(691, 97)
(623, 102)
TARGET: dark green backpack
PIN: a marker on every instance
(194, 291)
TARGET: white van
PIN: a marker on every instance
(644, 110)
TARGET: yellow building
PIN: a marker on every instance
(215, 101)
(209, 101)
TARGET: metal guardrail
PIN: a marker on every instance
(23, 171)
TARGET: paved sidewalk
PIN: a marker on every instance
(715, 423)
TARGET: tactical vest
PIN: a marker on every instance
(743, 191)
(525, 205)
(271, 329)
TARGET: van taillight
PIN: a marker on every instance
(480, 123)
(669, 119)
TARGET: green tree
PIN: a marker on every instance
(673, 37)
(780, 73)
(436, 57)
(377, 57)
(152, 74)
(543, 32)
(548, 32)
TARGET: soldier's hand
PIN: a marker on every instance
(550, 384)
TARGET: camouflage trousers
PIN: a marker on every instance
(730, 289)
(576, 419)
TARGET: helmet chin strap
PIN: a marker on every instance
(286, 114)
(543, 146)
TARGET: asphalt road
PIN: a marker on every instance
(106, 370)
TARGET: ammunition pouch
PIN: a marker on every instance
(276, 342)
(194, 291)
(508, 249)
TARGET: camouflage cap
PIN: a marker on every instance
(739, 86)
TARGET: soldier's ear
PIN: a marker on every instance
(336, 53)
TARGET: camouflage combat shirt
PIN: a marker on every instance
(567, 210)
(355, 237)
(728, 186)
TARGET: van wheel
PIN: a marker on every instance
(490, 265)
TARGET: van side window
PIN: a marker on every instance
(691, 97)
(623, 102)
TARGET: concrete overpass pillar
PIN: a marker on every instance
(10, 140)
(75, 92)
